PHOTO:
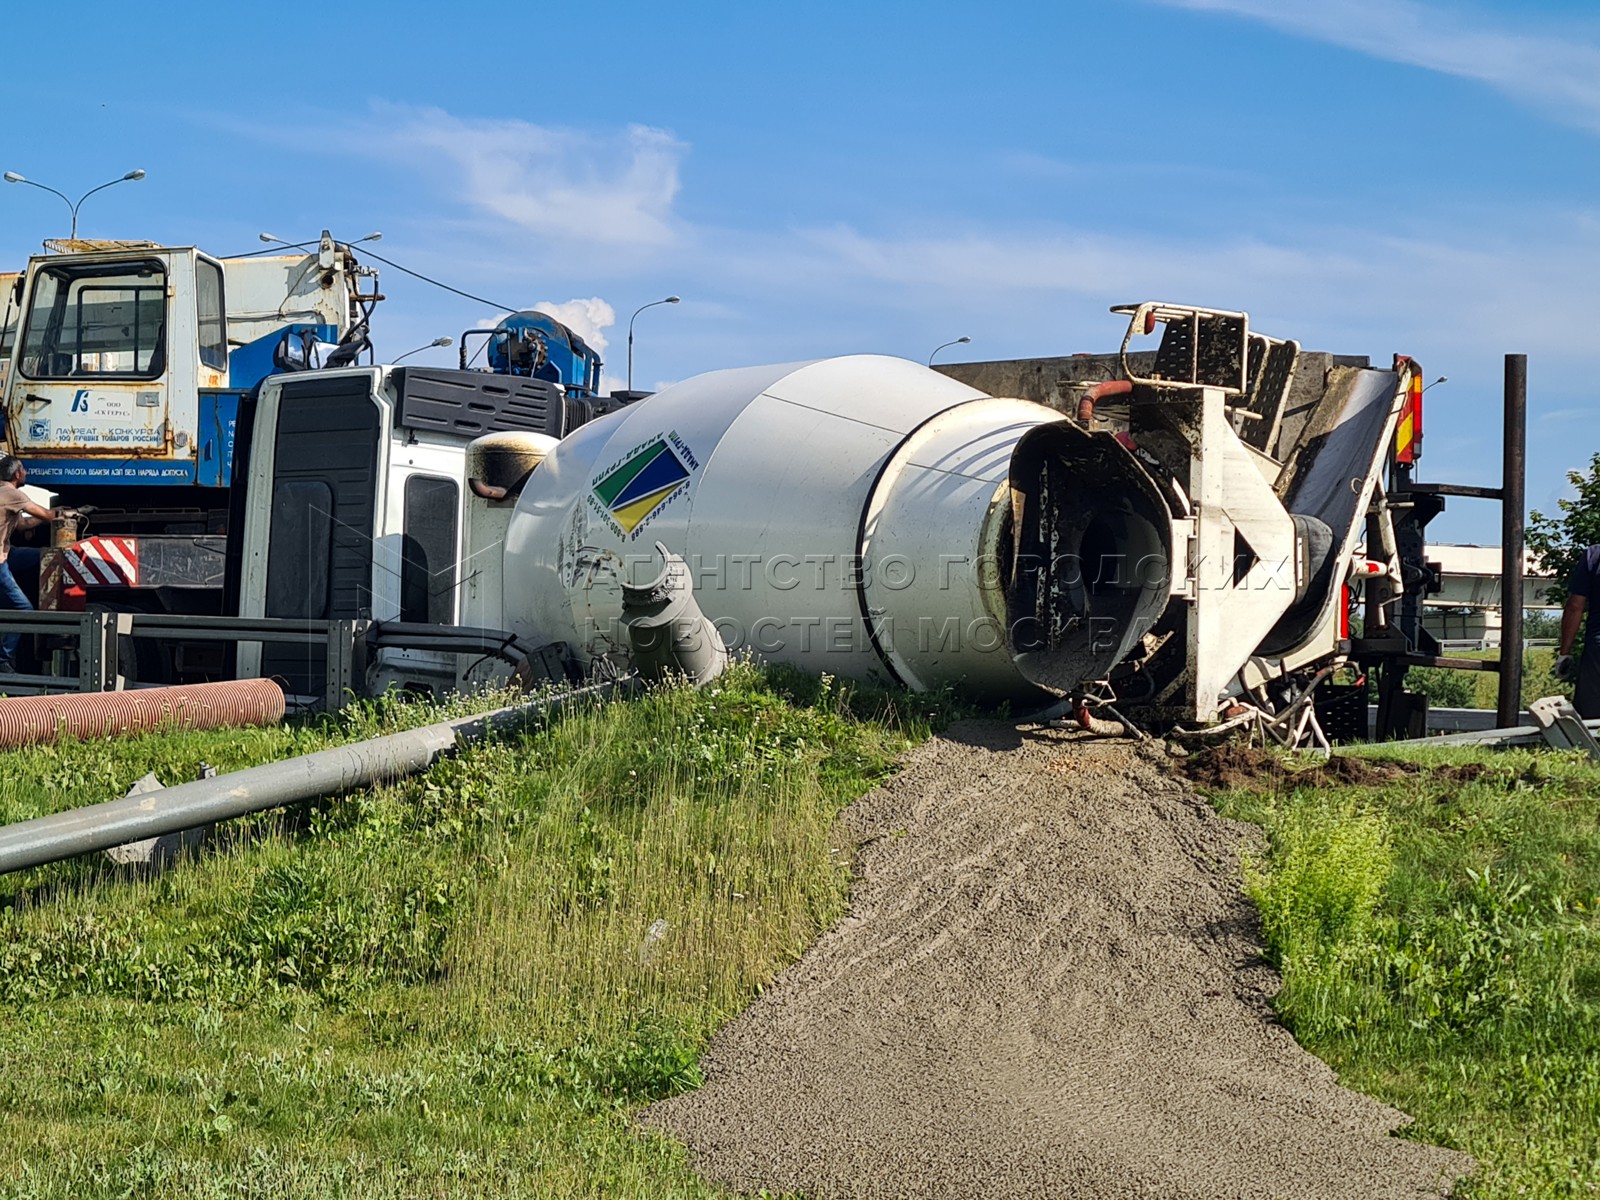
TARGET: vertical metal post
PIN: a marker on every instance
(341, 656)
(1513, 511)
(118, 626)
(97, 651)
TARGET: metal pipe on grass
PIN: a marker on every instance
(338, 769)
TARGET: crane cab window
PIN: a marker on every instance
(105, 320)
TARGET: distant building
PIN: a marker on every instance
(1467, 607)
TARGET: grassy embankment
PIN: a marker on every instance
(1439, 941)
(461, 985)
(464, 985)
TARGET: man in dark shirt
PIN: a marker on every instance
(16, 512)
(1583, 593)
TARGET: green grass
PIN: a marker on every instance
(466, 984)
(1440, 947)
(460, 985)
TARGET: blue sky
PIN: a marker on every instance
(1368, 176)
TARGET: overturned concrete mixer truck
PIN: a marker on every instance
(1184, 538)
(1177, 532)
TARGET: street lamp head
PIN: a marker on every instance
(273, 238)
(636, 312)
(438, 341)
(962, 341)
(74, 206)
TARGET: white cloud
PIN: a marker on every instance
(1559, 73)
(615, 189)
(1077, 263)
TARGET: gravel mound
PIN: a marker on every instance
(1048, 984)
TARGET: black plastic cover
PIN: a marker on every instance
(473, 403)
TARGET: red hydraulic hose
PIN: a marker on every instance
(28, 720)
(1111, 387)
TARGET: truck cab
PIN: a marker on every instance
(112, 351)
(124, 366)
(127, 357)
(360, 504)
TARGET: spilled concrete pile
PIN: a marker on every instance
(1048, 984)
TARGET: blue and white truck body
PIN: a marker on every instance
(128, 360)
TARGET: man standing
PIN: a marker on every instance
(1583, 593)
(16, 512)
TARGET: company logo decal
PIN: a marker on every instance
(647, 478)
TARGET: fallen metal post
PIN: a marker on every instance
(1562, 727)
(380, 760)
(1558, 727)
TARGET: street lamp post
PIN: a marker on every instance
(960, 341)
(636, 312)
(130, 177)
(438, 341)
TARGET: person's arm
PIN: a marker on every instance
(38, 512)
(1571, 618)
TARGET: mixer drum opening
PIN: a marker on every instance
(1085, 555)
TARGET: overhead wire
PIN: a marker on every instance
(436, 283)
(389, 262)
(278, 249)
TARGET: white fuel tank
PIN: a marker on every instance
(862, 516)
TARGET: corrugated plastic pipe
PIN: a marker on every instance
(28, 720)
(323, 773)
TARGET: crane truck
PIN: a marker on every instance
(126, 364)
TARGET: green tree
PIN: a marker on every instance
(1556, 541)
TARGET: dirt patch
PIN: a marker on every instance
(1468, 772)
(1048, 984)
(1230, 765)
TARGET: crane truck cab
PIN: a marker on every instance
(126, 364)
(115, 348)
(128, 357)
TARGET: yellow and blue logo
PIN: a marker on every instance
(641, 483)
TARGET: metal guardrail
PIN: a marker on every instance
(96, 633)
(348, 641)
